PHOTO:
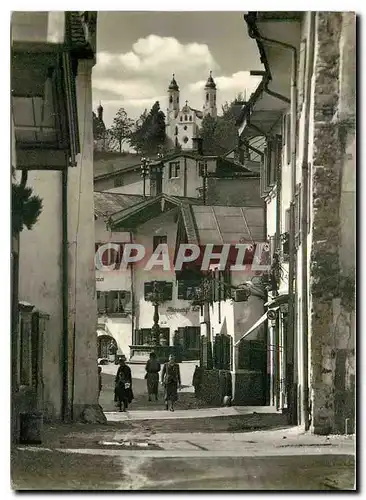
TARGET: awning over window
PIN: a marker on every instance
(256, 325)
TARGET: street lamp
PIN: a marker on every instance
(145, 170)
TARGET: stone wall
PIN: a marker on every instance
(331, 316)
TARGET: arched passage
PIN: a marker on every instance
(104, 343)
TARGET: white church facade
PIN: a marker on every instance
(182, 125)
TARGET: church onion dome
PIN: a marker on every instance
(173, 84)
(210, 84)
(186, 108)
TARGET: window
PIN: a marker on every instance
(187, 289)
(159, 240)
(190, 118)
(171, 99)
(207, 97)
(166, 286)
(114, 302)
(174, 169)
(285, 236)
(181, 118)
(271, 163)
(298, 216)
(110, 256)
(176, 130)
(118, 181)
(185, 127)
(178, 99)
(202, 168)
(185, 118)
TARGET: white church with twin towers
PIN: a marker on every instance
(182, 124)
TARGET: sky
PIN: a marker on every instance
(137, 53)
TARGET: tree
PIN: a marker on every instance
(221, 132)
(26, 207)
(149, 134)
(121, 128)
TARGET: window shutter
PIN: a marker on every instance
(301, 75)
(168, 291)
(288, 139)
(298, 216)
(147, 288)
(181, 288)
(269, 164)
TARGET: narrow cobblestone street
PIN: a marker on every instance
(194, 448)
(114, 457)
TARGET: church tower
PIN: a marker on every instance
(209, 108)
(173, 99)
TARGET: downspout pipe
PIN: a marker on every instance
(304, 219)
(266, 80)
(254, 33)
(65, 299)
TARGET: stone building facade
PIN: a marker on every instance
(308, 183)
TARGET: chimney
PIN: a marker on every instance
(197, 143)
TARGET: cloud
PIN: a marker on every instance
(130, 89)
(241, 81)
(156, 55)
(137, 78)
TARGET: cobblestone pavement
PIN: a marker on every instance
(205, 449)
(112, 457)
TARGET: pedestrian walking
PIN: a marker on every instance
(123, 394)
(152, 376)
(197, 380)
(171, 381)
(99, 380)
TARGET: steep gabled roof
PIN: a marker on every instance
(107, 163)
(148, 209)
(107, 204)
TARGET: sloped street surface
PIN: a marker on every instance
(135, 455)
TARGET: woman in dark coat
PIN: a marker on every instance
(152, 376)
(171, 381)
(123, 394)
